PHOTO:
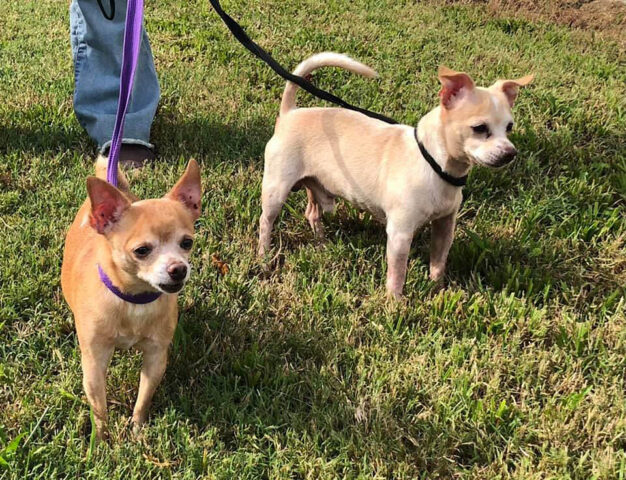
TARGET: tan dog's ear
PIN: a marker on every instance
(107, 204)
(510, 88)
(455, 85)
(188, 189)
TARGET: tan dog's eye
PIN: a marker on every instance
(186, 243)
(143, 251)
(509, 127)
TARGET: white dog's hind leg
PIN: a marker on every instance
(272, 199)
(314, 214)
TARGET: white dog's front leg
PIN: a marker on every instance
(441, 236)
(398, 248)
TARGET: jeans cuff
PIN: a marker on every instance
(127, 141)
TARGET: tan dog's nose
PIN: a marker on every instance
(177, 271)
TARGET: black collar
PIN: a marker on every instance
(446, 177)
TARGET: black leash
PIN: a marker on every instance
(456, 181)
(245, 40)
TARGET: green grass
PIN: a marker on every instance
(516, 369)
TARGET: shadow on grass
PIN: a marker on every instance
(249, 373)
(278, 381)
(270, 378)
(42, 131)
(207, 137)
(47, 137)
(541, 273)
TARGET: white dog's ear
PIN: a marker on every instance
(188, 189)
(455, 86)
(107, 204)
(510, 88)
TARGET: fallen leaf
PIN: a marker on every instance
(221, 266)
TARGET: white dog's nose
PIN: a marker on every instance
(508, 155)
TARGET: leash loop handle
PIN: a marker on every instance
(130, 55)
(108, 16)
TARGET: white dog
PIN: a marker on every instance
(405, 177)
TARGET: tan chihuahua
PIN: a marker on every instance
(405, 177)
(124, 262)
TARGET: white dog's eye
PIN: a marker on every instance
(481, 129)
(509, 127)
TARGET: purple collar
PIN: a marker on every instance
(139, 299)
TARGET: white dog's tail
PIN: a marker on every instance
(325, 59)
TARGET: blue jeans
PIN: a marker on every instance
(97, 51)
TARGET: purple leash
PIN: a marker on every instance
(130, 55)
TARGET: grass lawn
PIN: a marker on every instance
(516, 369)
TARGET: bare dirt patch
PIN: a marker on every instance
(606, 16)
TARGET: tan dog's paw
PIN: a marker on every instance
(102, 433)
(100, 426)
(137, 423)
(136, 432)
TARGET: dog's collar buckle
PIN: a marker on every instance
(139, 299)
(445, 176)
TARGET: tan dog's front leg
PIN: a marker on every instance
(398, 248)
(152, 370)
(441, 236)
(95, 361)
